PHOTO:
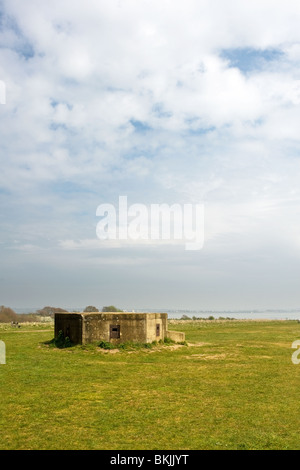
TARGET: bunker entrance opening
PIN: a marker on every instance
(114, 331)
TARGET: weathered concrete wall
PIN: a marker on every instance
(177, 336)
(70, 324)
(97, 326)
(156, 323)
(114, 327)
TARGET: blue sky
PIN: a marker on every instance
(165, 102)
(249, 59)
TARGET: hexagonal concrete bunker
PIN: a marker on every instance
(114, 327)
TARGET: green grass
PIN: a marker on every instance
(233, 387)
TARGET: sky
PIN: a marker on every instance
(164, 102)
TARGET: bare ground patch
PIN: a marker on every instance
(208, 357)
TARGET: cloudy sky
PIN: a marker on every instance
(162, 101)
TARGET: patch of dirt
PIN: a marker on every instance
(208, 356)
(108, 351)
(173, 346)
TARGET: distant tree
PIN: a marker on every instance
(7, 314)
(90, 308)
(27, 317)
(49, 311)
(111, 308)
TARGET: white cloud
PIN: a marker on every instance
(109, 98)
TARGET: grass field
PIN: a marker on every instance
(233, 387)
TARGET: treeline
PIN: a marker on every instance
(8, 315)
(109, 308)
(211, 317)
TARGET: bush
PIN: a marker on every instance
(49, 311)
(68, 343)
(130, 345)
(61, 341)
(127, 345)
(7, 314)
(135, 345)
(111, 308)
(90, 308)
(106, 345)
(169, 341)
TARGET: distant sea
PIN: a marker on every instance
(237, 314)
(289, 314)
